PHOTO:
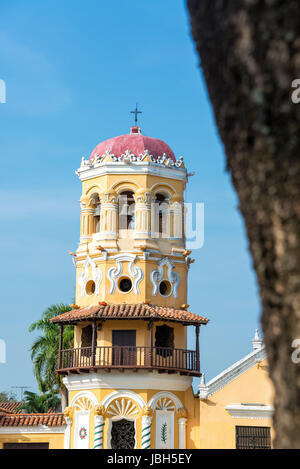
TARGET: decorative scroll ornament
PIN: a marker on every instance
(182, 413)
(147, 411)
(135, 272)
(166, 404)
(84, 275)
(157, 275)
(99, 410)
(122, 408)
(83, 403)
(68, 415)
(129, 157)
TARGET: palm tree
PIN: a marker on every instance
(44, 351)
(34, 403)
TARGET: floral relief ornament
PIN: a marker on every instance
(83, 433)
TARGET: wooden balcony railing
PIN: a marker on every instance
(151, 358)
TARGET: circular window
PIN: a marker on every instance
(90, 287)
(125, 284)
(165, 288)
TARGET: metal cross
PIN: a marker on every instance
(136, 112)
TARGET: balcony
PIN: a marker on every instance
(162, 359)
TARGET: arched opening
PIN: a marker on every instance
(97, 211)
(126, 210)
(161, 204)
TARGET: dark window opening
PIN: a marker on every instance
(124, 347)
(97, 211)
(123, 434)
(127, 211)
(26, 446)
(86, 341)
(164, 338)
(165, 288)
(161, 205)
(125, 284)
(253, 437)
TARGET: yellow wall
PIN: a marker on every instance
(213, 426)
(55, 440)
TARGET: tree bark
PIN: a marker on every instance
(250, 54)
(64, 398)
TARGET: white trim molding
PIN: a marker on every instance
(231, 373)
(88, 171)
(250, 411)
(165, 394)
(157, 275)
(128, 380)
(30, 429)
(85, 395)
(114, 273)
(84, 275)
(123, 394)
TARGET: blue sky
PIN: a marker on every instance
(73, 71)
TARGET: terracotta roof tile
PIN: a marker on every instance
(11, 406)
(130, 311)
(31, 420)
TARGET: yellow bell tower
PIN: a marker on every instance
(129, 371)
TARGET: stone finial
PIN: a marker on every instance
(147, 411)
(99, 410)
(257, 342)
(202, 382)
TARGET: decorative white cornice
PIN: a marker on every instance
(248, 411)
(31, 429)
(128, 157)
(231, 373)
(139, 167)
(126, 380)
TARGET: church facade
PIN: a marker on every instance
(129, 375)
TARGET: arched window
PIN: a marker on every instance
(126, 210)
(97, 205)
(160, 218)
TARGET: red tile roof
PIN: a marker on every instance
(31, 420)
(10, 407)
(130, 311)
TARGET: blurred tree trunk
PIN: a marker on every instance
(250, 55)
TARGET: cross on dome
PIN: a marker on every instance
(136, 112)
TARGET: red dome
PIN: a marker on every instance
(136, 143)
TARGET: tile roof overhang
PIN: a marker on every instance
(31, 420)
(130, 311)
(10, 407)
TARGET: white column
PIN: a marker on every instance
(182, 432)
(99, 427)
(177, 220)
(67, 433)
(146, 431)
